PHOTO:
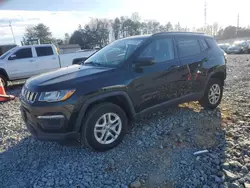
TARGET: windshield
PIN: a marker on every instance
(114, 53)
(6, 53)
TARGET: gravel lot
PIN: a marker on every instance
(158, 152)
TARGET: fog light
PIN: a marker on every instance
(51, 122)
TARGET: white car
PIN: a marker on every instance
(23, 62)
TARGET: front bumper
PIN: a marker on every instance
(42, 125)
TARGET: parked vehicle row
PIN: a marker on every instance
(23, 62)
(131, 77)
(238, 47)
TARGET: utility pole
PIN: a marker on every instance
(238, 23)
(12, 33)
(205, 17)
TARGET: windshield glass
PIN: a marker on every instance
(6, 53)
(114, 53)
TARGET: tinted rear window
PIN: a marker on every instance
(204, 45)
(211, 42)
(44, 51)
(188, 46)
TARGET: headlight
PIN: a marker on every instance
(55, 96)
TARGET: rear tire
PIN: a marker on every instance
(4, 80)
(104, 127)
(213, 94)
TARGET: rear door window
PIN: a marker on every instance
(188, 46)
(44, 51)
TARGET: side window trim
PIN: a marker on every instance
(199, 44)
(33, 52)
(208, 47)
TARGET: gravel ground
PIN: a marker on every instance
(158, 152)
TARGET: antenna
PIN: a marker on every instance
(205, 16)
(12, 33)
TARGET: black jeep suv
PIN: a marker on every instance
(94, 102)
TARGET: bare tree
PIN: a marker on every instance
(215, 28)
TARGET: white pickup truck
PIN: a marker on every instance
(23, 62)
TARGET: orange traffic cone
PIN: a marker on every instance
(3, 96)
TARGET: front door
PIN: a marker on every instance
(21, 64)
(157, 83)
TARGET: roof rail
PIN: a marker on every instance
(178, 32)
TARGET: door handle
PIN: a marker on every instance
(32, 60)
(53, 58)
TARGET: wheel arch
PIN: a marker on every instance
(4, 73)
(219, 75)
(120, 98)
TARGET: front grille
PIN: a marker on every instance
(28, 95)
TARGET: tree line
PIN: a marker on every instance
(99, 32)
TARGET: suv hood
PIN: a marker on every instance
(66, 76)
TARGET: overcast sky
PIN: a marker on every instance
(63, 16)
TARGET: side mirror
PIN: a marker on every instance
(12, 57)
(144, 61)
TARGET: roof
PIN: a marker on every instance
(36, 45)
(167, 33)
(182, 33)
(137, 37)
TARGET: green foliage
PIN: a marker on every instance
(39, 31)
(94, 34)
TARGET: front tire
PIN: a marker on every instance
(104, 127)
(213, 94)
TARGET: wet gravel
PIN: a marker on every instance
(158, 152)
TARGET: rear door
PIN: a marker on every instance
(47, 59)
(193, 53)
(21, 63)
(157, 83)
